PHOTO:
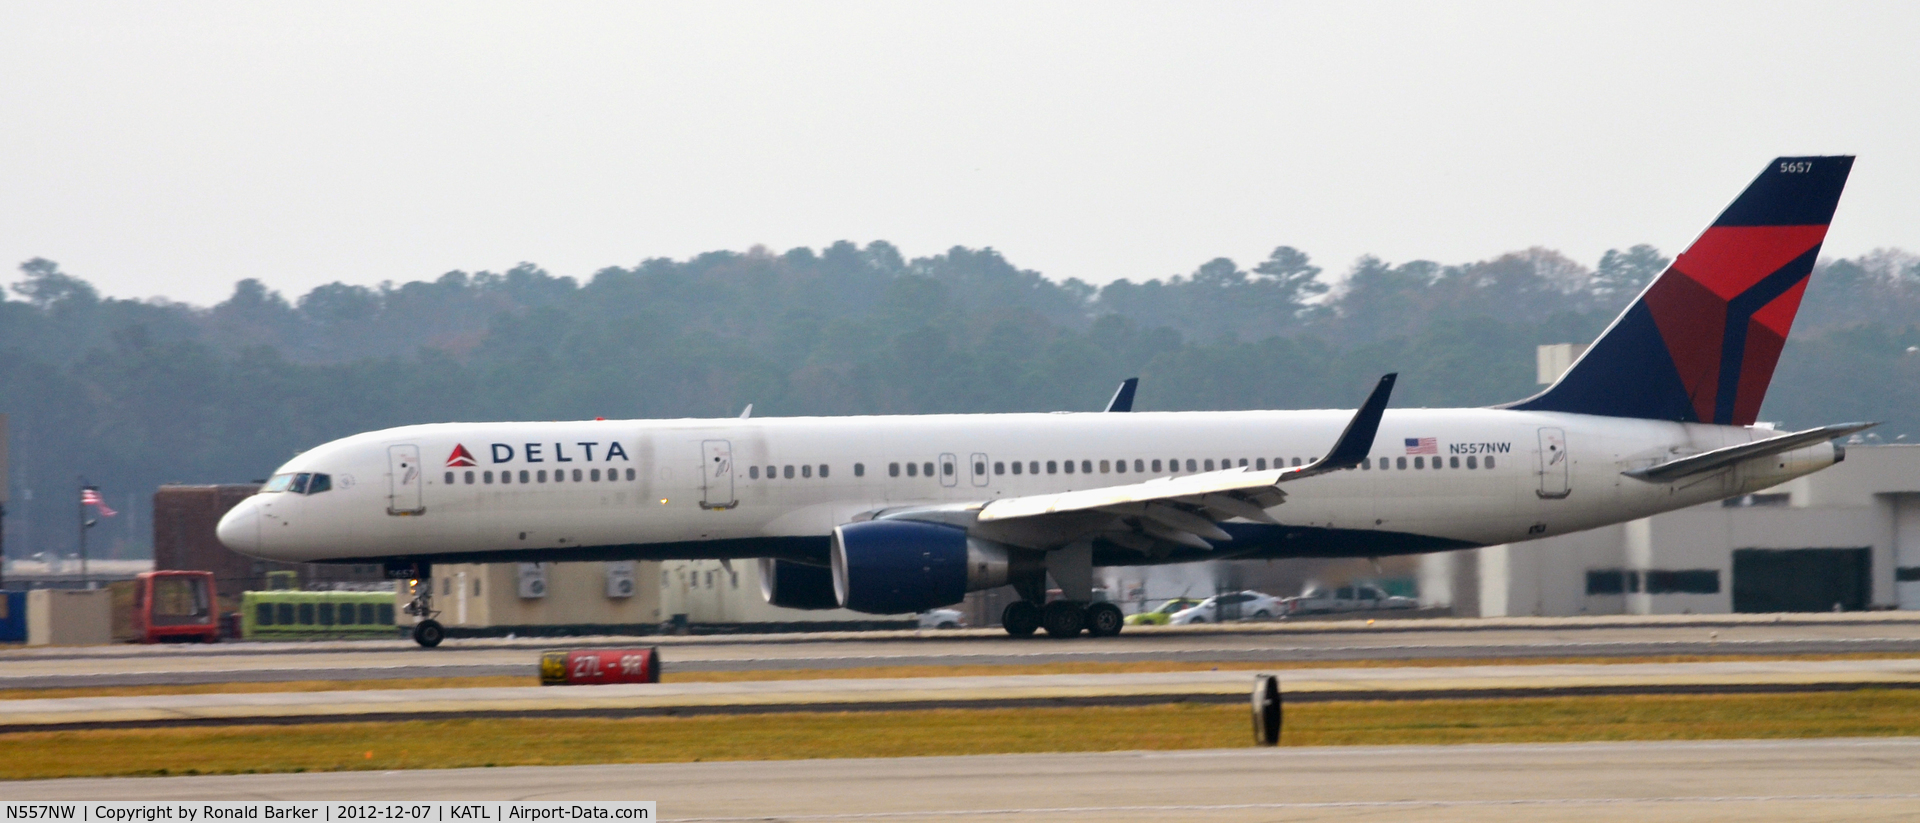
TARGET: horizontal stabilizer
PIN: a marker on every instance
(1721, 458)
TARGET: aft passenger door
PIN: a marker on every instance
(1552, 461)
(949, 470)
(977, 462)
(404, 479)
(716, 476)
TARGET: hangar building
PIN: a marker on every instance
(1846, 538)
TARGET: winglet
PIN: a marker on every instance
(1357, 441)
(1123, 397)
(746, 412)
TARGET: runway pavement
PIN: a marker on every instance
(1798, 780)
(1267, 642)
(856, 694)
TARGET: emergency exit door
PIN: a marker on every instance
(1552, 461)
(404, 479)
(716, 477)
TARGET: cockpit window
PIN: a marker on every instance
(302, 483)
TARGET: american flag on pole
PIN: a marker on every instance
(91, 497)
(1422, 445)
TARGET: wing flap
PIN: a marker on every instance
(1250, 488)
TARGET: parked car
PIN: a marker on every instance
(1220, 608)
(1160, 616)
(1319, 600)
(942, 619)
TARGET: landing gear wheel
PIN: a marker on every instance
(1063, 618)
(1104, 620)
(1020, 618)
(428, 633)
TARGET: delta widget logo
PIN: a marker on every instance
(460, 457)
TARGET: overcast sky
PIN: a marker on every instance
(174, 148)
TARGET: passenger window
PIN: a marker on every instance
(1399, 462)
(1156, 467)
(576, 475)
(859, 470)
(1052, 467)
(594, 475)
(1033, 467)
(1419, 462)
(543, 475)
(787, 472)
(469, 478)
(1017, 466)
(1473, 462)
(999, 467)
(1190, 465)
(893, 469)
(1366, 463)
(1069, 466)
(1243, 462)
(506, 477)
(753, 472)
(1489, 461)
(1209, 464)
(487, 477)
(823, 471)
(979, 467)
(449, 478)
(1106, 466)
(629, 474)
(1139, 465)
(1086, 467)
(1260, 464)
(806, 471)
(926, 469)
(523, 476)
(1453, 462)
(945, 468)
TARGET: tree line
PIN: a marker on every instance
(135, 393)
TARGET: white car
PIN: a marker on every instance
(1220, 608)
(942, 619)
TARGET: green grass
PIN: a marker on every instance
(532, 741)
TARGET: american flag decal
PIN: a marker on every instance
(1422, 445)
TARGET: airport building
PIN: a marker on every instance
(1843, 539)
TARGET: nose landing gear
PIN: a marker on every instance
(426, 630)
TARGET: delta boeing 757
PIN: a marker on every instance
(893, 514)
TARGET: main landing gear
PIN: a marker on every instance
(426, 630)
(1062, 618)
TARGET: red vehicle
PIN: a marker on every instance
(175, 607)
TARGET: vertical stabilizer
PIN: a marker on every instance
(1700, 344)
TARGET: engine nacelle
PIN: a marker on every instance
(793, 585)
(900, 566)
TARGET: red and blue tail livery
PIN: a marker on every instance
(1699, 345)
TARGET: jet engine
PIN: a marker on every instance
(793, 585)
(899, 566)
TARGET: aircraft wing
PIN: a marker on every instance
(1723, 457)
(1184, 510)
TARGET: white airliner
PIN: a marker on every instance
(897, 514)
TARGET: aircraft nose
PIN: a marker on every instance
(239, 529)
